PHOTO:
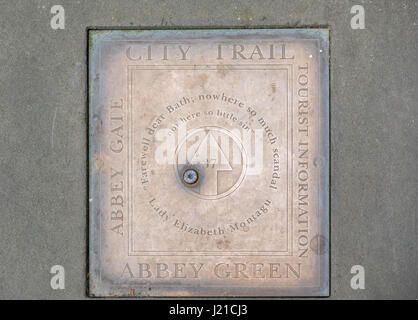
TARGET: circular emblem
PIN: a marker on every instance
(210, 162)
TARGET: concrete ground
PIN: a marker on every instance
(374, 140)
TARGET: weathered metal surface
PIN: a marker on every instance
(209, 163)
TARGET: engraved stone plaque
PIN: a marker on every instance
(208, 159)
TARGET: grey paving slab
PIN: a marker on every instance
(373, 134)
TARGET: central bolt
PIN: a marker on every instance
(190, 177)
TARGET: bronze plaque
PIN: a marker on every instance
(209, 166)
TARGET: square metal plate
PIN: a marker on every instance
(209, 162)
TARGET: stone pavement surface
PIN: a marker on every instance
(374, 149)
